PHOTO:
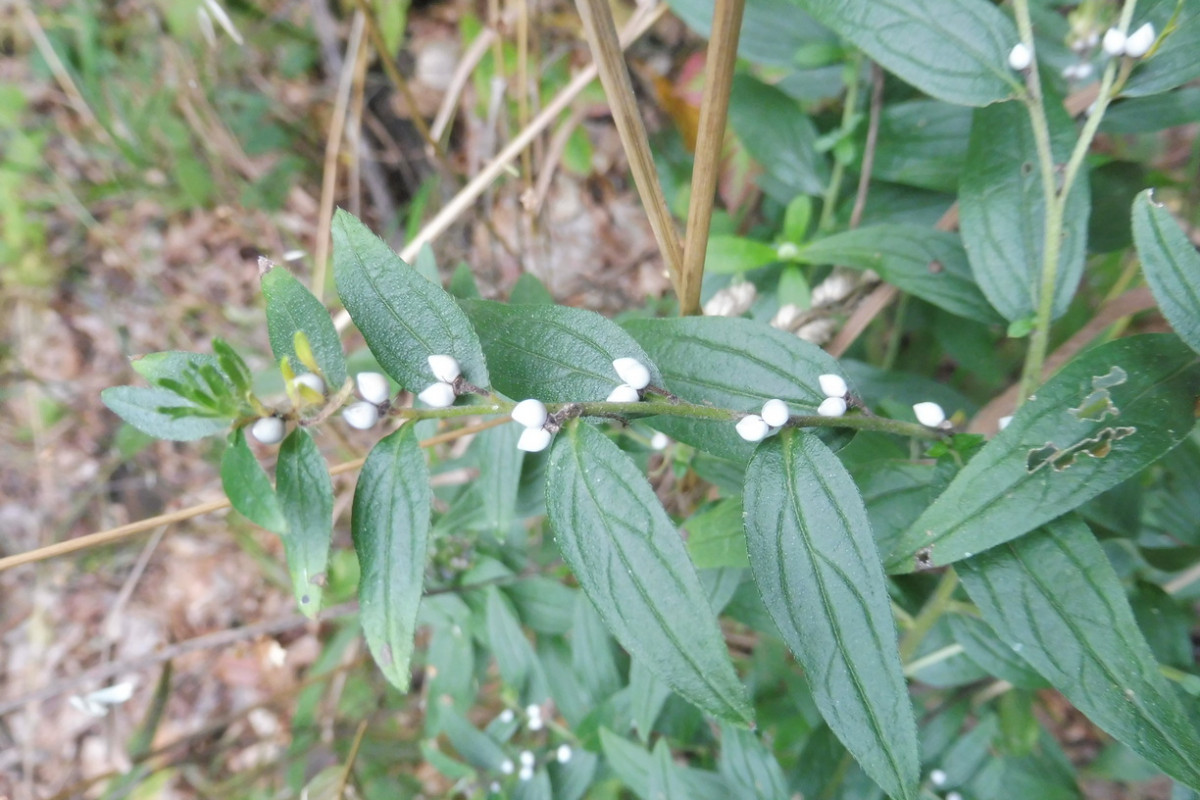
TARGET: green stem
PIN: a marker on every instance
(829, 201)
(930, 613)
(936, 657)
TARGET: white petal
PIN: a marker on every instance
(312, 381)
(373, 387)
(445, 368)
(1020, 57)
(833, 385)
(832, 407)
(530, 413)
(623, 394)
(1140, 41)
(437, 395)
(752, 428)
(632, 372)
(775, 413)
(534, 440)
(268, 430)
(929, 414)
(1113, 42)
(361, 415)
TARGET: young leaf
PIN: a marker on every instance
(633, 566)
(775, 130)
(730, 363)
(554, 353)
(404, 317)
(170, 364)
(1105, 416)
(1171, 265)
(729, 254)
(954, 50)
(306, 498)
(247, 486)
(291, 307)
(1002, 209)
(390, 527)
(140, 407)
(749, 767)
(816, 567)
(929, 264)
(1054, 597)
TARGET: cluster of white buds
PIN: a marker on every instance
(634, 376)
(756, 427)
(527, 761)
(534, 714)
(268, 430)
(374, 390)
(531, 414)
(1135, 45)
(441, 393)
(1020, 58)
(1078, 72)
(835, 389)
(929, 414)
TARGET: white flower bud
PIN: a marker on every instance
(361, 415)
(533, 710)
(832, 407)
(659, 441)
(312, 381)
(373, 387)
(526, 773)
(268, 430)
(530, 413)
(1140, 41)
(507, 766)
(1002, 423)
(1020, 57)
(445, 368)
(786, 316)
(526, 758)
(787, 251)
(732, 301)
(437, 395)
(929, 414)
(833, 385)
(775, 413)
(1113, 42)
(753, 428)
(633, 372)
(534, 440)
(563, 753)
(506, 716)
(623, 394)
(938, 777)
(535, 723)
(954, 796)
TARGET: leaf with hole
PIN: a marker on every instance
(390, 528)
(631, 563)
(816, 567)
(1054, 596)
(1171, 266)
(1109, 413)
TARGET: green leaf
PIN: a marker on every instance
(1002, 209)
(404, 317)
(730, 254)
(954, 50)
(306, 498)
(1105, 416)
(1175, 62)
(514, 657)
(984, 649)
(780, 136)
(749, 767)
(633, 566)
(139, 406)
(772, 30)
(495, 452)
(291, 307)
(1156, 113)
(716, 537)
(528, 290)
(730, 363)
(815, 564)
(921, 143)
(247, 486)
(929, 264)
(170, 364)
(796, 219)
(1054, 597)
(554, 353)
(390, 527)
(1171, 265)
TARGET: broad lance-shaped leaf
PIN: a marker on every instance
(954, 50)
(247, 486)
(554, 353)
(782, 138)
(290, 308)
(390, 527)
(1102, 419)
(306, 499)
(731, 363)
(1055, 598)
(816, 567)
(139, 405)
(632, 564)
(1171, 266)
(929, 264)
(1002, 209)
(404, 317)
